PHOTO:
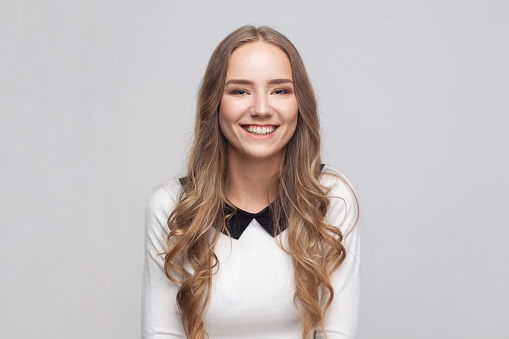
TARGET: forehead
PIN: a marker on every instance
(258, 60)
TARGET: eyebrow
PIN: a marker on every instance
(249, 82)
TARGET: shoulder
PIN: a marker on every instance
(163, 199)
(344, 206)
(338, 183)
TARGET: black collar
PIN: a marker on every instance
(239, 221)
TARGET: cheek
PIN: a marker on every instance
(293, 129)
(293, 115)
(228, 111)
(292, 119)
(227, 118)
(223, 113)
(223, 124)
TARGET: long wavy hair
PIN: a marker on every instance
(315, 246)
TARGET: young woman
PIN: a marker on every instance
(258, 240)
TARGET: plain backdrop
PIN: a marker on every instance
(97, 105)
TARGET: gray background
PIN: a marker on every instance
(97, 105)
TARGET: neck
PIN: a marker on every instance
(249, 180)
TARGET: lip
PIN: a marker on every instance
(267, 136)
(260, 125)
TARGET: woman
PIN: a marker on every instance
(259, 239)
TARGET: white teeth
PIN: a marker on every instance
(256, 130)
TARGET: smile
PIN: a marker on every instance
(259, 130)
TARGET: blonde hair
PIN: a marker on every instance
(315, 246)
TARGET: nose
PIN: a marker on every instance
(261, 105)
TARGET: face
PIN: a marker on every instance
(258, 112)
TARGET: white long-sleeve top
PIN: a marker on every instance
(252, 292)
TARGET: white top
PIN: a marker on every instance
(252, 293)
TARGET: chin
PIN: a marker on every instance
(260, 156)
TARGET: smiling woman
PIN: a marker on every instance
(258, 240)
(258, 112)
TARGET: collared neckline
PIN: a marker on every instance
(239, 221)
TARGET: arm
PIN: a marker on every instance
(341, 317)
(160, 318)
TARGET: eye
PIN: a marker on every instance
(239, 92)
(281, 91)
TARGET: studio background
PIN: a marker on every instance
(97, 108)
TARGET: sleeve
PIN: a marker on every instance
(342, 316)
(160, 318)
